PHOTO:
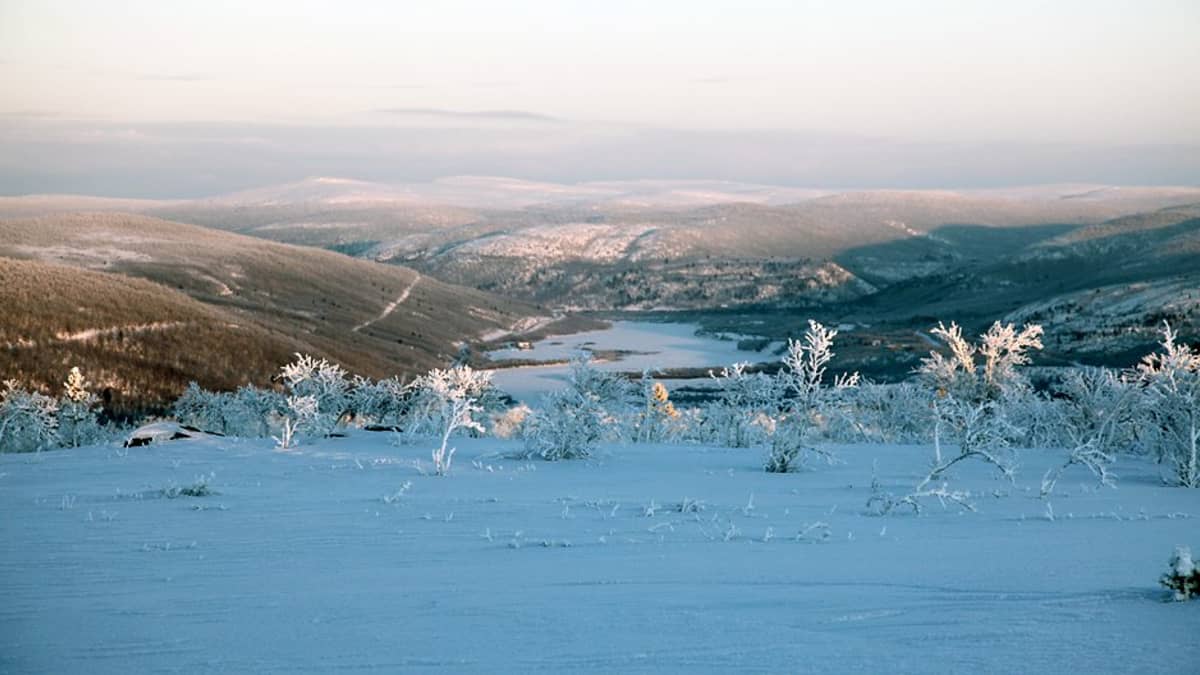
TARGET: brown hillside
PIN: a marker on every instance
(289, 298)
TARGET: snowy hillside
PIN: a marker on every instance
(340, 555)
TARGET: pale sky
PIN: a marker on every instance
(1099, 73)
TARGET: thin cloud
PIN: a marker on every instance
(511, 115)
(345, 85)
(715, 79)
(29, 114)
(175, 77)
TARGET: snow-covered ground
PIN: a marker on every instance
(647, 558)
(654, 345)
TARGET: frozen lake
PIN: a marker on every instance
(656, 345)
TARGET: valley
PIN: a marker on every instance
(396, 278)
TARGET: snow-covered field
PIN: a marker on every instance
(654, 346)
(648, 558)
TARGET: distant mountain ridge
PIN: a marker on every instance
(892, 259)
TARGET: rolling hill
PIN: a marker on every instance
(138, 341)
(735, 257)
(240, 303)
(660, 244)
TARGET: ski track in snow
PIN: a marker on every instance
(391, 307)
(298, 564)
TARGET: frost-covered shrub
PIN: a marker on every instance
(428, 402)
(200, 408)
(451, 397)
(248, 412)
(322, 383)
(996, 378)
(975, 398)
(971, 393)
(884, 413)
(1097, 403)
(1095, 412)
(973, 401)
(385, 402)
(199, 488)
(1041, 418)
(806, 401)
(28, 420)
(1182, 577)
(572, 421)
(78, 422)
(299, 415)
(744, 400)
(568, 425)
(1171, 407)
(658, 420)
(510, 423)
(252, 411)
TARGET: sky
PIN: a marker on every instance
(815, 93)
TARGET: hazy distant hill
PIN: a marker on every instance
(828, 248)
(1101, 291)
(30, 206)
(375, 319)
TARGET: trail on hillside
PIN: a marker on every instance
(96, 333)
(391, 307)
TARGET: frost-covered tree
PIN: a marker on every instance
(427, 411)
(453, 396)
(28, 420)
(807, 400)
(323, 382)
(1171, 406)
(573, 420)
(973, 392)
(78, 422)
(737, 419)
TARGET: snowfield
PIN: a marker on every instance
(342, 555)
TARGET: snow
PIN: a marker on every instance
(600, 243)
(160, 432)
(93, 333)
(649, 558)
(656, 346)
(391, 306)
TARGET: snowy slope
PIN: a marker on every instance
(300, 565)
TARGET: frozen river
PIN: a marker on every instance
(656, 346)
